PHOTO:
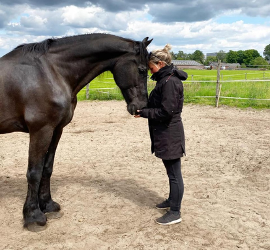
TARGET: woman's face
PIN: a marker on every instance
(155, 67)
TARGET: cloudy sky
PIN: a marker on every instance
(206, 25)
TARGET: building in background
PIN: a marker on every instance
(223, 66)
(187, 64)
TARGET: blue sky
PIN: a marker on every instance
(244, 18)
(206, 25)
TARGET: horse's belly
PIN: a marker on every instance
(11, 115)
(32, 103)
(14, 124)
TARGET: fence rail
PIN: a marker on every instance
(219, 87)
(221, 81)
(231, 97)
(239, 92)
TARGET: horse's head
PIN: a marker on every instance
(130, 74)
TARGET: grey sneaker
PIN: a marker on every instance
(163, 205)
(169, 218)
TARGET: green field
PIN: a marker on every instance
(227, 75)
(200, 85)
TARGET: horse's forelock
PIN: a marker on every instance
(141, 50)
(143, 53)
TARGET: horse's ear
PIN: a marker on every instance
(146, 42)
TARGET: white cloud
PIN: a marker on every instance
(93, 17)
(8, 43)
(25, 23)
(76, 16)
(33, 21)
(207, 36)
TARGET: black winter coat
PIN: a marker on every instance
(164, 113)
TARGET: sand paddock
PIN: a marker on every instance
(108, 183)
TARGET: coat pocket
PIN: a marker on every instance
(161, 139)
(177, 138)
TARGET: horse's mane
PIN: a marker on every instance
(43, 47)
(39, 48)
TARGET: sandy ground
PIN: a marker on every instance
(108, 183)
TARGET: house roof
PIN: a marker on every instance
(186, 63)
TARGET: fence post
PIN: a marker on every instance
(218, 87)
(87, 91)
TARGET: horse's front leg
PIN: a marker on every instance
(39, 144)
(45, 201)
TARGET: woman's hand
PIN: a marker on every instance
(138, 114)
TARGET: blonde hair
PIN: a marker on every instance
(163, 55)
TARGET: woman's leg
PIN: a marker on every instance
(173, 216)
(173, 168)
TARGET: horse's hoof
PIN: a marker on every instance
(35, 220)
(54, 215)
(50, 206)
(35, 227)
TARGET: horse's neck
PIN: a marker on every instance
(80, 63)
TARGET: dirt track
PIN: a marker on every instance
(107, 183)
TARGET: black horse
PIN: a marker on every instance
(38, 87)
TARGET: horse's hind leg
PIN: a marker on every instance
(39, 144)
(45, 201)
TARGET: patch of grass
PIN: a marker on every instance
(227, 75)
(103, 87)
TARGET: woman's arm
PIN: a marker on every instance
(169, 102)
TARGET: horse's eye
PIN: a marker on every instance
(142, 69)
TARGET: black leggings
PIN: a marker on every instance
(173, 168)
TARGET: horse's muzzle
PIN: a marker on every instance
(132, 109)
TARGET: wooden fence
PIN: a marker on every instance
(219, 86)
(115, 93)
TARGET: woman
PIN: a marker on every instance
(166, 129)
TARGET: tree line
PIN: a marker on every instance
(249, 57)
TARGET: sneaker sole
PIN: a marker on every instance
(162, 208)
(170, 223)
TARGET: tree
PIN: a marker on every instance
(240, 56)
(266, 52)
(174, 56)
(232, 57)
(189, 57)
(258, 62)
(210, 59)
(181, 55)
(221, 55)
(250, 55)
(198, 56)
